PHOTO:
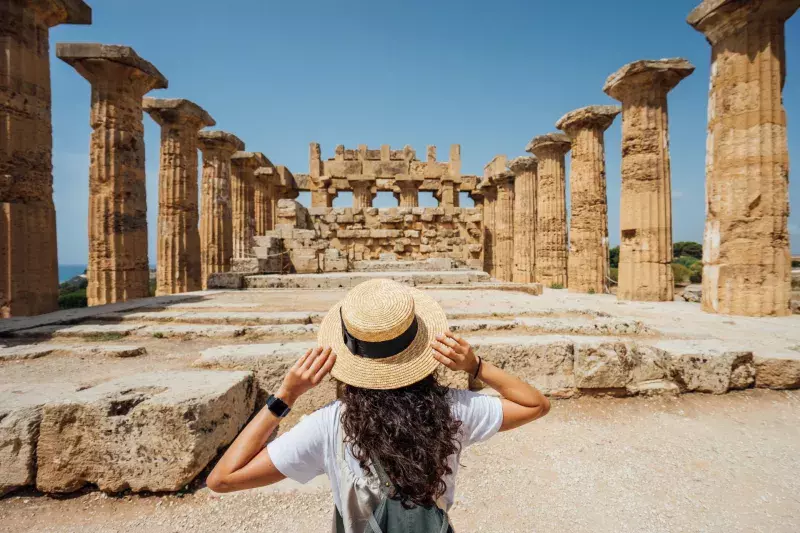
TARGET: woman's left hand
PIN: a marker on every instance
(306, 373)
(455, 353)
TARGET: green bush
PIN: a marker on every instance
(681, 273)
(613, 273)
(692, 249)
(72, 300)
(556, 286)
(613, 257)
(795, 264)
(688, 261)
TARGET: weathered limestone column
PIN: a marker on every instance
(588, 226)
(263, 198)
(321, 195)
(216, 229)
(243, 209)
(504, 226)
(551, 209)
(488, 189)
(118, 267)
(448, 191)
(364, 190)
(178, 242)
(746, 256)
(407, 189)
(645, 257)
(524, 169)
(28, 247)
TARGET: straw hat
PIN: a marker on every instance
(381, 333)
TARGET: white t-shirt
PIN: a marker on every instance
(309, 448)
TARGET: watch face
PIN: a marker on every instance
(277, 406)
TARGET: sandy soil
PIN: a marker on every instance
(696, 463)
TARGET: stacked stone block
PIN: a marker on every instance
(118, 268)
(588, 228)
(551, 209)
(645, 259)
(746, 256)
(178, 246)
(525, 177)
(216, 230)
(28, 249)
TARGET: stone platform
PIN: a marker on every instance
(567, 344)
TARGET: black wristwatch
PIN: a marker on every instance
(277, 406)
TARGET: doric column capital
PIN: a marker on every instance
(518, 165)
(177, 112)
(248, 160)
(647, 75)
(504, 180)
(213, 141)
(718, 19)
(55, 12)
(101, 62)
(597, 117)
(266, 174)
(549, 145)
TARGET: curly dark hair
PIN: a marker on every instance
(410, 431)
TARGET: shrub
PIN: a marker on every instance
(613, 273)
(72, 300)
(688, 261)
(692, 249)
(613, 257)
(556, 286)
(681, 273)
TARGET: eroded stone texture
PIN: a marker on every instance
(262, 197)
(322, 194)
(28, 251)
(488, 191)
(504, 227)
(146, 432)
(551, 208)
(525, 170)
(588, 228)
(118, 268)
(216, 230)
(178, 244)
(364, 190)
(243, 209)
(283, 188)
(645, 271)
(407, 190)
(746, 259)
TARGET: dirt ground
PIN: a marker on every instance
(696, 463)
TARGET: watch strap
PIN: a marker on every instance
(277, 406)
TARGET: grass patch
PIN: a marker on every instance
(104, 337)
(158, 335)
(556, 286)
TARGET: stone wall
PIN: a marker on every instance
(323, 239)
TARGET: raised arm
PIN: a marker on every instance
(247, 464)
(522, 403)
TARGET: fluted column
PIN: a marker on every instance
(645, 257)
(746, 255)
(118, 267)
(264, 177)
(551, 209)
(448, 191)
(588, 226)
(243, 209)
(178, 238)
(363, 190)
(406, 189)
(489, 191)
(216, 229)
(28, 245)
(525, 170)
(504, 227)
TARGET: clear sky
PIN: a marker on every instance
(487, 75)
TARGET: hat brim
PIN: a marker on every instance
(405, 368)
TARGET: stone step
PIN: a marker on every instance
(217, 317)
(346, 280)
(431, 264)
(34, 351)
(147, 432)
(90, 331)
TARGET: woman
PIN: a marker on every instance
(391, 443)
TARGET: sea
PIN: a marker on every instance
(66, 272)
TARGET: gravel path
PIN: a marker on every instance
(697, 463)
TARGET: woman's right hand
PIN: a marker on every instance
(455, 353)
(306, 373)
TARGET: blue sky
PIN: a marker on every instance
(487, 75)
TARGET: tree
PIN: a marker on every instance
(692, 249)
(613, 255)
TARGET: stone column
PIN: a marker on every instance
(477, 197)
(551, 210)
(524, 169)
(178, 241)
(407, 189)
(118, 263)
(28, 248)
(504, 227)
(448, 191)
(364, 190)
(216, 230)
(243, 209)
(319, 186)
(489, 191)
(285, 188)
(265, 177)
(645, 257)
(588, 226)
(746, 256)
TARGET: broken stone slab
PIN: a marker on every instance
(606, 365)
(777, 373)
(585, 326)
(693, 293)
(708, 365)
(225, 280)
(27, 351)
(109, 350)
(147, 432)
(190, 330)
(81, 330)
(20, 416)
